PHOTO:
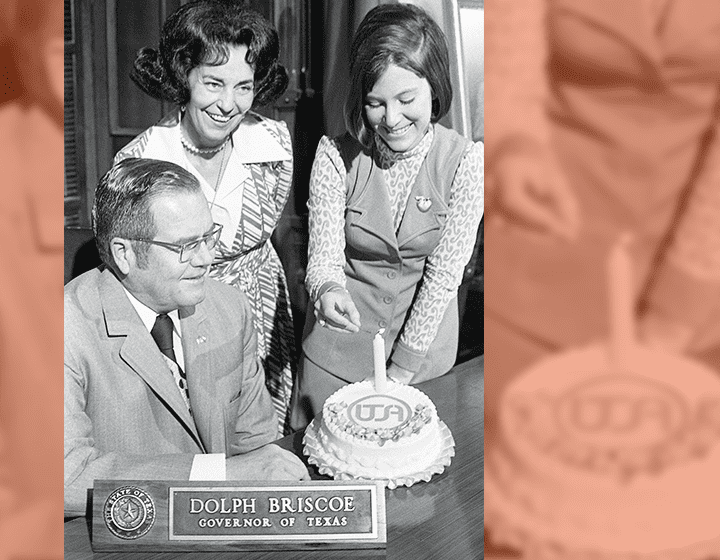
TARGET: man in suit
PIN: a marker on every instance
(132, 411)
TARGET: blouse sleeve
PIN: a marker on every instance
(445, 265)
(134, 149)
(326, 205)
(146, 144)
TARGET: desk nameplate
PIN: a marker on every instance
(175, 515)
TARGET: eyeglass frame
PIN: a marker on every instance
(180, 248)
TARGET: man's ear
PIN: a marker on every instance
(123, 254)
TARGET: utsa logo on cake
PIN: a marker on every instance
(379, 411)
(394, 436)
(129, 512)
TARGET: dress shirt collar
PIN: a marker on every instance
(148, 316)
(254, 143)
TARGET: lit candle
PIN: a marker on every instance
(379, 359)
(622, 302)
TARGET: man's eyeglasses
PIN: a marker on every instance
(188, 250)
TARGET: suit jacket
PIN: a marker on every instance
(632, 98)
(124, 415)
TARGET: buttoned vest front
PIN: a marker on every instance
(384, 269)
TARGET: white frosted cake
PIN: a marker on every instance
(595, 462)
(394, 436)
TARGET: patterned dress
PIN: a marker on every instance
(248, 203)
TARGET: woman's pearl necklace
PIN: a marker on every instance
(201, 151)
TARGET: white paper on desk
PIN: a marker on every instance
(209, 466)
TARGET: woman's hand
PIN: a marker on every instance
(529, 187)
(335, 310)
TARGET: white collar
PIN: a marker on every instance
(148, 316)
(255, 144)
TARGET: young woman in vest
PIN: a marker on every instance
(395, 206)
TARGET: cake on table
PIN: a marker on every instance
(597, 461)
(394, 435)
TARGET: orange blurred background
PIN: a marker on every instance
(601, 117)
(31, 272)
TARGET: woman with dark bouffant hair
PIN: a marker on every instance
(394, 205)
(217, 61)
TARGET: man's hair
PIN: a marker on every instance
(404, 35)
(123, 202)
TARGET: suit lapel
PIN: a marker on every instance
(209, 416)
(139, 351)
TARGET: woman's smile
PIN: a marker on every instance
(221, 119)
(397, 132)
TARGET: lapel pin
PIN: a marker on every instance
(423, 203)
(201, 339)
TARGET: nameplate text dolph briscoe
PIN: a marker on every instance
(175, 515)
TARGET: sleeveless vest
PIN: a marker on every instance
(384, 269)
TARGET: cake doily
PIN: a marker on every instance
(331, 466)
(507, 530)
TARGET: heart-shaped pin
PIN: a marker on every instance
(423, 203)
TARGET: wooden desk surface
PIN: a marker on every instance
(438, 520)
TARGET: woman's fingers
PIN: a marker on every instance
(336, 311)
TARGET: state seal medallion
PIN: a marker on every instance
(129, 512)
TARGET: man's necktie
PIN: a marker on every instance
(162, 333)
